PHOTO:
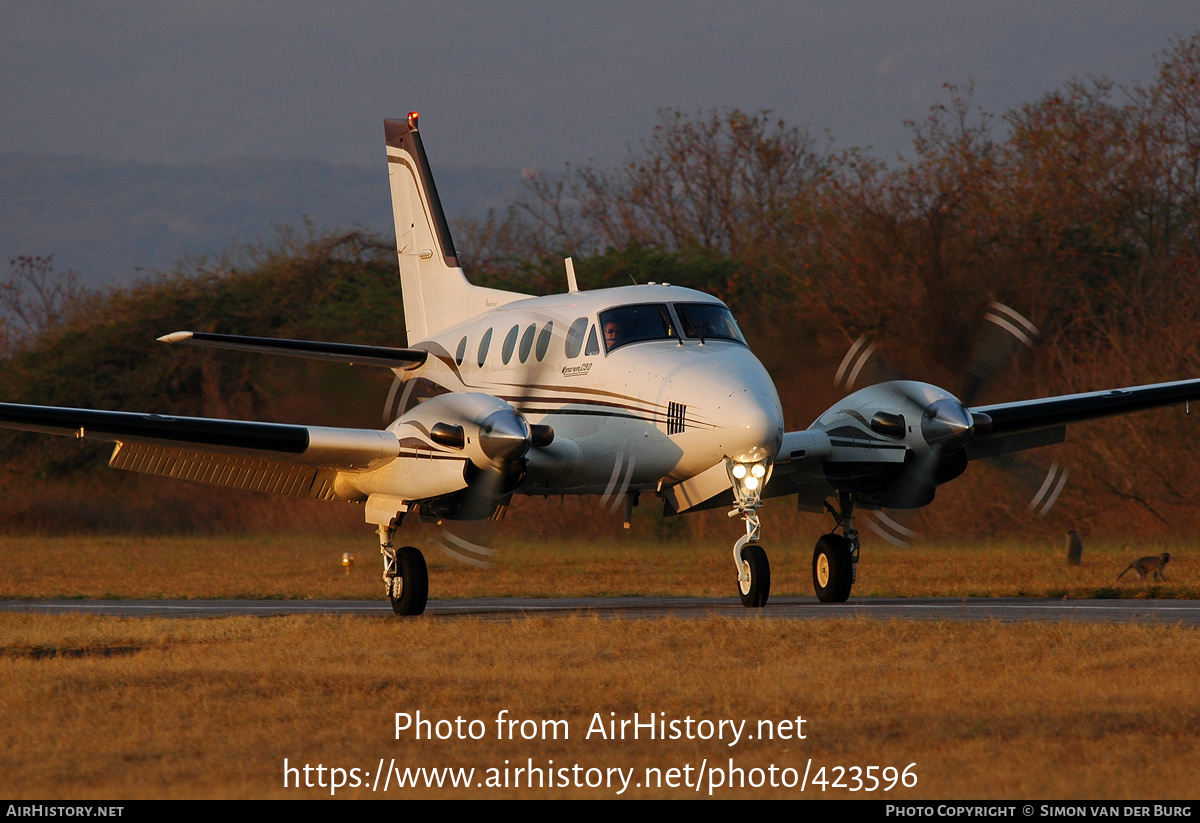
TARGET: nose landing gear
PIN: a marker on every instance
(754, 570)
(754, 576)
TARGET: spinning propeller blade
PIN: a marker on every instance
(947, 426)
(1003, 334)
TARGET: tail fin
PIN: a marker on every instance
(436, 293)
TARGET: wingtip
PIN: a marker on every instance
(175, 337)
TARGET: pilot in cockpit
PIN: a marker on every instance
(612, 334)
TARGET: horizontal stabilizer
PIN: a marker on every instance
(352, 353)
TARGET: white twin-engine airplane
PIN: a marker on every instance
(636, 390)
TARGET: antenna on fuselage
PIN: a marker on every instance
(572, 284)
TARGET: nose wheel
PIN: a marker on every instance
(754, 577)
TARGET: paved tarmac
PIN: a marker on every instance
(1006, 610)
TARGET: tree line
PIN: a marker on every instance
(1080, 209)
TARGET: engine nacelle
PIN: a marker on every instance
(479, 427)
(894, 443)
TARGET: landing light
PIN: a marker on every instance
(758, 471)
(752, 482)
(739, 471)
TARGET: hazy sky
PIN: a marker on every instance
(528, 83)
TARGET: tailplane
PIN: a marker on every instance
(436, 293)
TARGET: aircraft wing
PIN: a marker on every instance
(1026, 424)
(1000, 429)
(391, 358)
(301, 461)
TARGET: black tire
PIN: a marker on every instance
(833, 570)
(755, 591)
(413, 579)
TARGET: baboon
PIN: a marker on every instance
(1153, 564)
(1074, 548)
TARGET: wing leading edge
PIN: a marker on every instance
(301, 461)
(1027, 424)
(333, 448)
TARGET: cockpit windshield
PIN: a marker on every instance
(633, 324)
(708, 321)
(654, 321)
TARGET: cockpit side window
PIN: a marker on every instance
(634, 324)
(708, 321)
(593, 346)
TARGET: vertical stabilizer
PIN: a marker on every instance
(435, 291)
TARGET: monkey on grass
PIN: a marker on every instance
(1151, 564)
(1074, 548)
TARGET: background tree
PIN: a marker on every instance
(35, 300)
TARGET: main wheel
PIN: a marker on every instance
(833, 570)
(410, 587)
(755, 590)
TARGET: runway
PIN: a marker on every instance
(1005, 610)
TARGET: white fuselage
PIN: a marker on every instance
(642, 415)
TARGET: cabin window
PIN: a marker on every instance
(634, 324)
(575, 336)
(483, 346)
(462, 351)
(527, 342)
(543, 344)
(593, 347)
(708, 321)
(510, 343)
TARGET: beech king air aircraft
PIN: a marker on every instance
(638, 390)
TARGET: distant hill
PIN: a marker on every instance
(114, 220)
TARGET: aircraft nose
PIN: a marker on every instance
(752, 426)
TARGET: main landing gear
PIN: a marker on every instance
(404, 574)
(835, 559)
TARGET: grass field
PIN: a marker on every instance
(309, 566)
(112, 708)
(124, 708)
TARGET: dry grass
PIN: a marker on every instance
(211, 708)
(111, 708)
(309, 566)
